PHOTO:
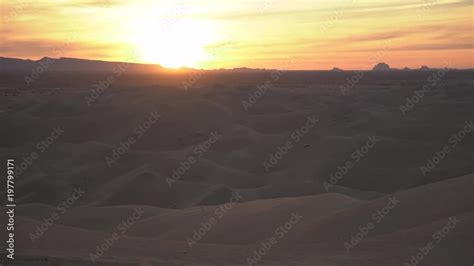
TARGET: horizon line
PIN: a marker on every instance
(334, 69)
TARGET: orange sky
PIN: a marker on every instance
(285, 34)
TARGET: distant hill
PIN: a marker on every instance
(65, 64)
(71, 65)
(425, 68)
(386, 67)
(381, 67)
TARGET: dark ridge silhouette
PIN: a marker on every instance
(66, 64)
(381, 67)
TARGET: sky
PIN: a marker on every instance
(281, 34)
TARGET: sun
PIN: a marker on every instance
(173, 44)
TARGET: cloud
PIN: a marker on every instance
(346, 8)
(439, 46)
(54, 48)
(439, 31)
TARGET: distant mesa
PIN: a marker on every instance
(381, 67)
(247, 69)
(406, 69)
(336, 69)
(425, 68)
(65, 64)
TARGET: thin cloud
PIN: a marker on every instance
(349, 10)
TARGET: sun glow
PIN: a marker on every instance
(173, 44)
(212, 34)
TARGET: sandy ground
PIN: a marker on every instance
(149, 173)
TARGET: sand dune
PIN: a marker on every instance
(328, 220)
(231, 194)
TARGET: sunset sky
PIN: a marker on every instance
(284, 34)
